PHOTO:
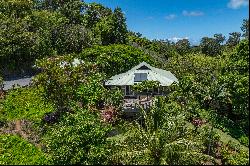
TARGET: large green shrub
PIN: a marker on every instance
(16, 151)
(114, 98)
(236, 80)
(233, 154)
(79, 138)
(25, 103)
(146, 85)
(61, 77)
(92, 92)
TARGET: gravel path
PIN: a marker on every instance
(21, 82)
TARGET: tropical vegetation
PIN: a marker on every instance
(68, 116)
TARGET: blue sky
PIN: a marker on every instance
(173, 19)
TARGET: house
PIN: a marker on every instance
(136, 75)
(140, 73)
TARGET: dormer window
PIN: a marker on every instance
(139, 77)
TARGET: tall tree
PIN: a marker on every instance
(210, 46)
(233, 39)
(112, 29)
(93, 13)
(245, 28)
(120, 26)
(16, 8)
(182, 46)
(48, 4)
(163, 47)
(18, 41)
(219, 38)
(71, 9)
(71, 38)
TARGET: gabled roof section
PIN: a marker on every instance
(165, 78)
(143, 68)
(140, 65)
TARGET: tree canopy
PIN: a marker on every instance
(68, 116)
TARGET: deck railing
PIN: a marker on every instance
(136, 104)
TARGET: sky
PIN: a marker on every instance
(177, 19)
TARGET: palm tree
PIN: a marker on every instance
(162, 138)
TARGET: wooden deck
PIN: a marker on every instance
(131, 107)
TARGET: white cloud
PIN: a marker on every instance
(236, 4)
(192, 13)
(170, 17)
(176, 39)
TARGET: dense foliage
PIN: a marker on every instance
(25, 104)
(17, 151)
(77, 46)
(164, 138)
(61, 77)
(115, 59)
(219, 94)
(146, 85)
(236, 80)
(79, 138)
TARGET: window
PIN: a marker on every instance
(156, 90)
(139, 77)
(127, 89)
